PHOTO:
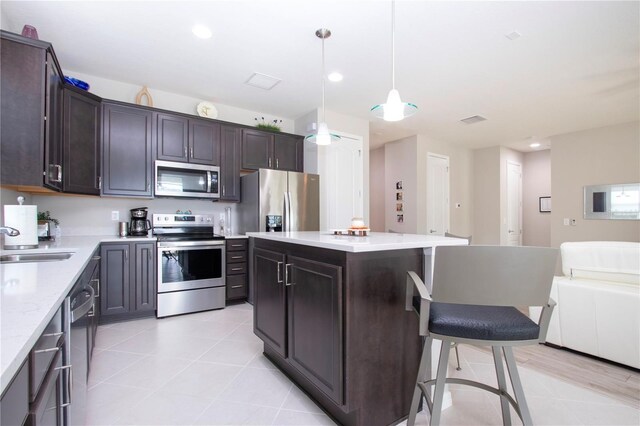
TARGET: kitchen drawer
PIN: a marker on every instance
(237, 268)
(236, 257)
(237, 286)
(43, 353)
(237, 245)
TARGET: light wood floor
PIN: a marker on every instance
(617, 382)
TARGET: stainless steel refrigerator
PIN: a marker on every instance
(275, 200)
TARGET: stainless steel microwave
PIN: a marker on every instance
(187, 180)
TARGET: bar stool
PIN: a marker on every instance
(475, 291)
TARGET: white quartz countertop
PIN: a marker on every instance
(31, 293)
(375, 241)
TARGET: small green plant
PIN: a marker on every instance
(47, 216)
(273, 126)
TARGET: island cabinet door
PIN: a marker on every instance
(315, 323)
(269, 299)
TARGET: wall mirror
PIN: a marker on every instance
(617, 201)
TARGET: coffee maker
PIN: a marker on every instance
(139, 226)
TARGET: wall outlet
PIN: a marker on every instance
(115, 215)
(566, 221)
(458, 205)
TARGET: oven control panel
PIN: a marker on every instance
(169, 219)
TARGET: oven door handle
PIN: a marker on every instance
(193, 246)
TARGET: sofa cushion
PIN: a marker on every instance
(615, 261)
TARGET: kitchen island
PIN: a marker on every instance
(331, 312)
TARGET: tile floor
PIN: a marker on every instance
(208, 369)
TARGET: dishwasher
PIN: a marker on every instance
(78, 306)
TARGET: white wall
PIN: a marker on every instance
(126, 92)
(400, 165)
(378, 186)
(92, 215)
(486, 196)
(536, 183)
(598, 156)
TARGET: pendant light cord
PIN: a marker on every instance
(322, 78)
(393, 44)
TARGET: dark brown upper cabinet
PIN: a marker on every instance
(187, 140)
(81, 142)
(31, 111)
(230, 163)
(173, 133)
(127, 150)
(268, 150)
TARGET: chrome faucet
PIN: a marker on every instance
(12, 232)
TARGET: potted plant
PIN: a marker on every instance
(44, 225)
(272, 126)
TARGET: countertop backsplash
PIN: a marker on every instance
(80, 216)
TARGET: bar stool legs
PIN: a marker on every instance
(525, 415)
(502, 385)
(441, 379)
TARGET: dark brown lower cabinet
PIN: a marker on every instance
(335, 323)
(127, 280)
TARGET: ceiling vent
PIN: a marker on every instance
(513, 36)
(262, 81)
(473, 120)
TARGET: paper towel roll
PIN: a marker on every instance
(25, 220)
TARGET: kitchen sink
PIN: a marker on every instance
(34, 257)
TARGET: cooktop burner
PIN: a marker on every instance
(181, 227)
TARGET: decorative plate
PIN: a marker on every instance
(207, 109)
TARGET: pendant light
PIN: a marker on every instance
(322, 135)
(394, 109)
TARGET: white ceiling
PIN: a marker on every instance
(575, 67)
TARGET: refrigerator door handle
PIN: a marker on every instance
(286, 220)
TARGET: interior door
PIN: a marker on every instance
(437, 194)
(341, 187)
(514, 204)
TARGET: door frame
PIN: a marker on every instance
(506, 228)
(448, 191)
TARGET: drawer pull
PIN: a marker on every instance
(237, 257)
(237, 245)
(237, 286)
(237, 269)
(60, 333)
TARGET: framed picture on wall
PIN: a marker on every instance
(399, 207)
(400, 218)
(398, 196)
(544, 204)
(399, 185)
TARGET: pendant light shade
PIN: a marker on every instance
(322, 136)
(394, 109)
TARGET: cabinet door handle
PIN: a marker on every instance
(126, 255)
(42, 351)
(191, 152)
(277, 164)
(269, 162)
(223, 190)
(97, 281)
(279, 277)
(185, 152)
(59, 173)
(99, 182)
(288, 275)
(237, 286)
(96, 258)
(60, 333)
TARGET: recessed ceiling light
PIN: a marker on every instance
(201, 31)
(513, 36)
(534, 145)
(335, 77)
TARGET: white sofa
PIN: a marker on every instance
(598, 300)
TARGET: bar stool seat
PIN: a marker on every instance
(475, 291)
(481, 322)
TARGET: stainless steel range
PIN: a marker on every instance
(191, 264)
